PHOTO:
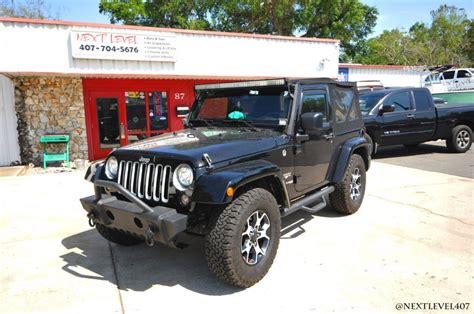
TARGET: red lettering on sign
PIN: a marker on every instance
(127, 39)
(91, 37)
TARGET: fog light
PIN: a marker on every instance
(184, 200)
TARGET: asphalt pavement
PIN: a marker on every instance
(430, 156)
(412, 241)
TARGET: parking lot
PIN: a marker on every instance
(412, 241)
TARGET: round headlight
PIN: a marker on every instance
(111, 168)
(183, 177)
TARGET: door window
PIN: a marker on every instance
(158, 110)
(463, 74)
(448, 75)
(314, 102)
(108, 122)
(400, 100)
(422, 100)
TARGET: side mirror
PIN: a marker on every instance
(182, 112)
(387, 108)
(312, 121)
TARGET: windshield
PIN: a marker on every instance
(368, 101)
(262, 106)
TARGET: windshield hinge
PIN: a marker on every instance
(208, 161)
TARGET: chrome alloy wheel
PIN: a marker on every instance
(463, 139)
(355, 184)
(255, 238)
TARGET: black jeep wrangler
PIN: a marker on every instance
(250, 153)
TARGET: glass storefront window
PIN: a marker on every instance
(136, 111)
(158, 110)
(108, 121)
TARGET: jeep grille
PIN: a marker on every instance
(148, 181)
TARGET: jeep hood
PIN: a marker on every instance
(221, 144)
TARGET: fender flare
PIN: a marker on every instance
(210, 188)
(344, 152)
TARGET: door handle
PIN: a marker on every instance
(122, 131)
(328, 136)
(410, 116)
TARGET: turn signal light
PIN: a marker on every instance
(230, 191)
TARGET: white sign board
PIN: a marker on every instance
(123, 46)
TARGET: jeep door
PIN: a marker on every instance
(313, 149)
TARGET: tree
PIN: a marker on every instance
(347, 20)
(34, 9)
(469, 49)
(449, 28)
(447, 40)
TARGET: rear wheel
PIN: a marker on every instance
(349, 193)
(117, 236)
(460, 140)
(242, 245)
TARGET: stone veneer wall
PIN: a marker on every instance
(49, 105)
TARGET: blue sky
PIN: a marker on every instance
(392, 13)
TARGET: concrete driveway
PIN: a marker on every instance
(412, 241)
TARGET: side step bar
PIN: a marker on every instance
(303, 203)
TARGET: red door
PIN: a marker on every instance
(108, 127)
(119, 118)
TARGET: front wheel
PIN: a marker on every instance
(242, 245)
(349, 193)
(460, 140)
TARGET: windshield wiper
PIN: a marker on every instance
(245, 122)
(208, 123)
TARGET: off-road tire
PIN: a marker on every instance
(453, 143)
(341, 199)
(224, 242)
(117, 236)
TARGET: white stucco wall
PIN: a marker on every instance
(390, 76)
(44, 47)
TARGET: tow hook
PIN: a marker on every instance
(91, 217)
(149, 237)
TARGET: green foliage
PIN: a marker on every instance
(447, 40)
(189, 14)
(347, 20)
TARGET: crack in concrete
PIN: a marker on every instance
(422, 208)
(116, 278)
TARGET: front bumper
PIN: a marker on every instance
(158, 223)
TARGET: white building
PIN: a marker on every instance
(389, 75)
(71, 77)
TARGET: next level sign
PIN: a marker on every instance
(123, 46)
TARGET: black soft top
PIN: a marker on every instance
(272, 83)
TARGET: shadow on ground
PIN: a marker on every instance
(138, 268)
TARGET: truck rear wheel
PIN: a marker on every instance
(349, 193)
(242, 244)
(117, 236)
(460, 140)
